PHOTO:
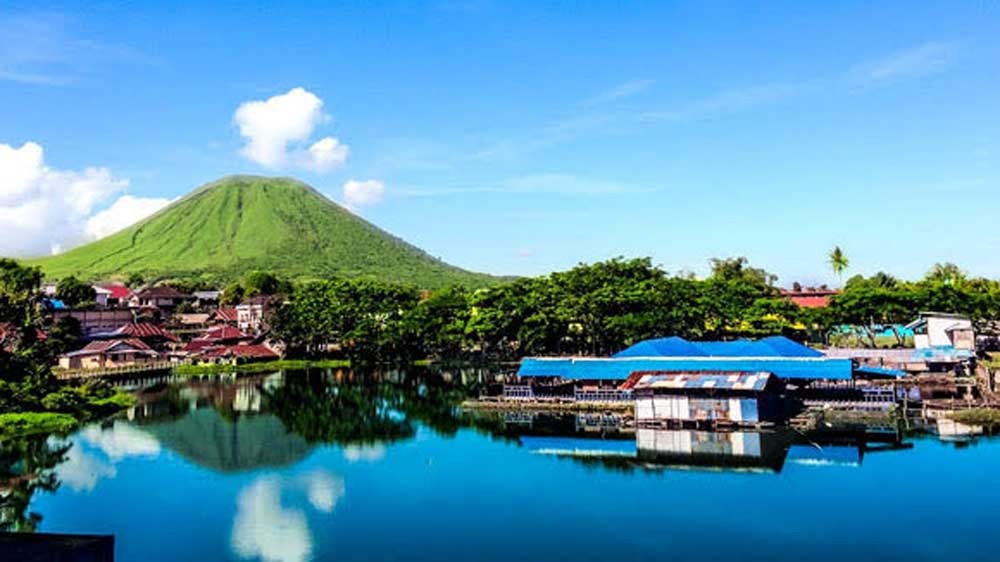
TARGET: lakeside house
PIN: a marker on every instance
(942, 329)
(740, 382)
(737, 397)
(109, 353)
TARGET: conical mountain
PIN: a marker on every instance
(244, 223)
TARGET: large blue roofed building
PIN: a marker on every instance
(780, 356)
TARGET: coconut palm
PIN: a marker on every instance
(838, 261)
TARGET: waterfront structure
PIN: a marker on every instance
(942, 330)
(738, 397)
(109, 353)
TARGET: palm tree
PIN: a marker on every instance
(839, 262)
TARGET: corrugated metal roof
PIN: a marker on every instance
(662, 347)
(614, 368)
(724, 381)
(774, 346)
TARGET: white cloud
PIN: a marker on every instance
(621, 91)
(921, 60)
(358, 193)
(43, 210)
(326, 154)
(124, 212)
(277, 130)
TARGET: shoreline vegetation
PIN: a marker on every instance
(589, 310)
(259, 367)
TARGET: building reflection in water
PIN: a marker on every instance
(607, 440)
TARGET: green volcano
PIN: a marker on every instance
(243, 223)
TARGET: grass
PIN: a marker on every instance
(243, 223)
(280, 365)
(978, 416)
(31, 423)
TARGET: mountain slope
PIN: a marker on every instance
(242, 223)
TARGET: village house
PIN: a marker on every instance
(250, 314)
(941, 329)
(216, 336)
(96, 321)
(224, 315)
(150, 334)
(808, 297)
(101, 296)
(117, 295)
(206, 299)
(162, 298)
(109, 353)
(738, 397)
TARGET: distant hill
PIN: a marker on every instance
(242, 223)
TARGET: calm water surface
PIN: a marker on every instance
(297, 467)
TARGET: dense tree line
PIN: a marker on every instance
(600, 308)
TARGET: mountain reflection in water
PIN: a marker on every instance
(309, 465)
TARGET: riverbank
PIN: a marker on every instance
(262, 367)
(64, 410)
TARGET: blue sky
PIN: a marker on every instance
(521, 138)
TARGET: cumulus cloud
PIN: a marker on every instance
(359, 193)
(43, 209)
(277, 131)
(326, 154)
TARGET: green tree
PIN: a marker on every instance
(75, 293)
(838, 261)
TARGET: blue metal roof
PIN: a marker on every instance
(615, 368)
(774, 346)
(662, 347)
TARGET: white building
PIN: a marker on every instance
(101, 295)
(941, 329)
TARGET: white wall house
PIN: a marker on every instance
(940, 329)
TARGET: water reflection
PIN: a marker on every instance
(279, 453)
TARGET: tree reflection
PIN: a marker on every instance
(344, 414)
(26, 466)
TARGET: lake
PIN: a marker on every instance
(327, 466)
